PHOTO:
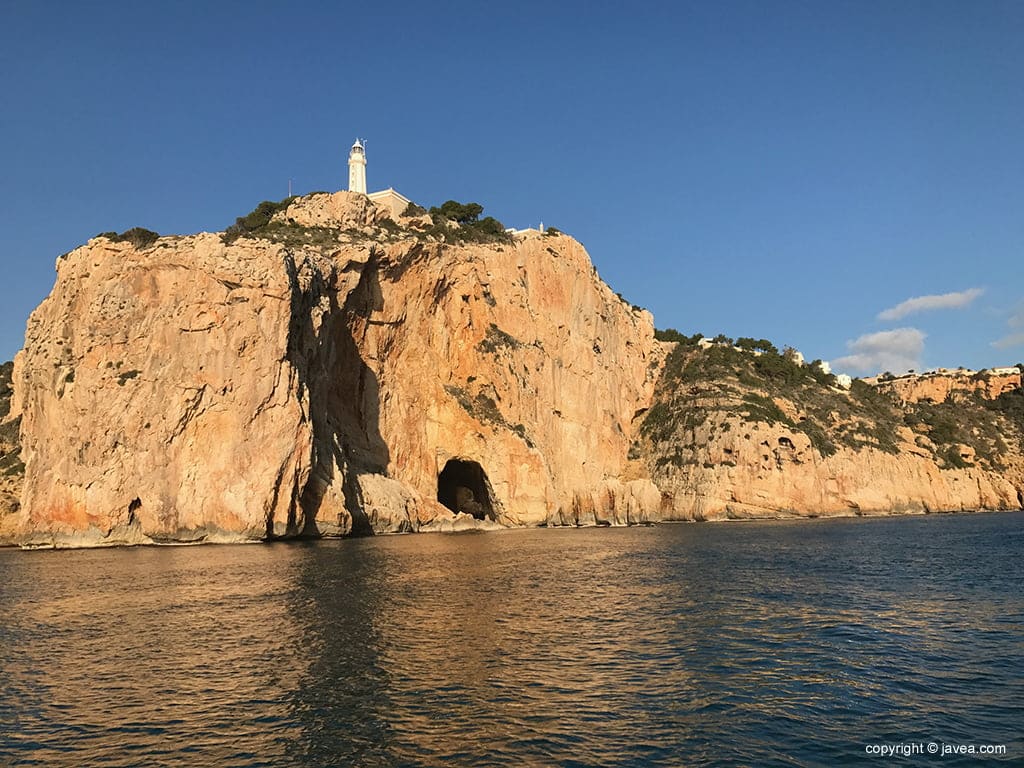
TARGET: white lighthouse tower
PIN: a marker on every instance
(357, 168)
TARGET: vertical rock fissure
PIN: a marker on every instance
(342, 392)
(133, 507)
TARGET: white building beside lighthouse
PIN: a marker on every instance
(388, 198)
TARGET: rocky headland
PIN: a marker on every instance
(745, 433)
(326, 368)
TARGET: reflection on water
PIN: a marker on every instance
(756, 643)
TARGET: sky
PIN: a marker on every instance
(841, 177)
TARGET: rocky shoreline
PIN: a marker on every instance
(458, 525)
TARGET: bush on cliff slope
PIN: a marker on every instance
(453, 222)
(1010, 405)
(259, 223)
(456, 222)
(257, 220)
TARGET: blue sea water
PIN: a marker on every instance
(800, 643)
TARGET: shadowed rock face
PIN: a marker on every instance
(12, 471)
(198, 390)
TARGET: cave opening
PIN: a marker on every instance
(462, 486)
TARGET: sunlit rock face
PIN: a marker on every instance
(941, 387)
(199, 390)
(765, 471)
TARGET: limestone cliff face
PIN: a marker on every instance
(325, 370)
(735, 470)
(320, 380)
(731, 435)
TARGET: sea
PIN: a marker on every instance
(885, 641)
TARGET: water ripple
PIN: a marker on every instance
(768, 644)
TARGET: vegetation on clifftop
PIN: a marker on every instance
(455, 222)
(257, 223)
(452, 222)
(137, 236)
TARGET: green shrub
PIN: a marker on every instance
(764, 409)
(952, 458)
(818, 438)
(461, 213)
(816, 373)
(671, 334)
(1010, 405)
(781, 369)
(469, 227)
(137, 236)
(943, 428)
(497, 339)
(489, 227)
(256, 220)
(763, 345)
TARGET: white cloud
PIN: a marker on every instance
(956, 300)
(897, 350)
(1014, 322)
(1013, 340)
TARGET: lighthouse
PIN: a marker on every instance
(357, 168)
(388, 199)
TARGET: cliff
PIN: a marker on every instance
(731, 434)
(322, 369)
(943, 386)
(332, 372)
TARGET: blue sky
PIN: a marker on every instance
(788, 170)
